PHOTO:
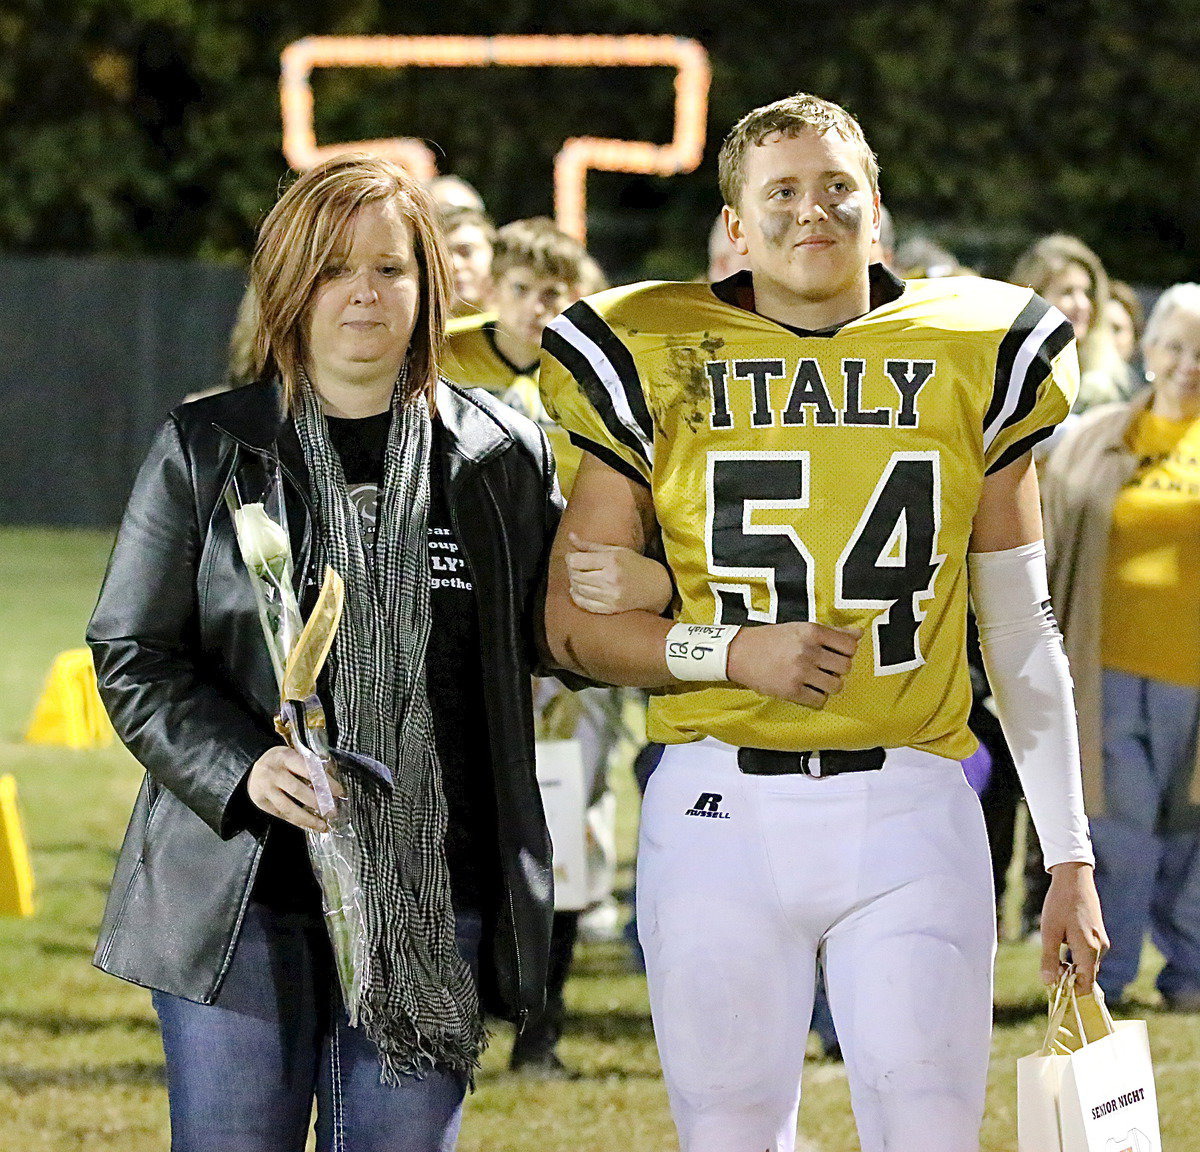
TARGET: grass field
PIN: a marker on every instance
(80, 1061)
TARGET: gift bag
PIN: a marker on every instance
(1090, 1088)
(560, 777)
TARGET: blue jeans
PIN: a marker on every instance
(242, 1072)
(1147, 878)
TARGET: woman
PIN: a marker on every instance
(1128, 322)
(1126, 318)
(1122, 500)
(446, 504)
(1068, 274)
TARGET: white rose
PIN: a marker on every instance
(264, 543)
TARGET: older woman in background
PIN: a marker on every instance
(1065, 272)
(438, 509)
(1122, 503)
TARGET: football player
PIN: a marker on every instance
(536, 271)
(832, 457)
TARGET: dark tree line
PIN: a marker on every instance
(152, 126)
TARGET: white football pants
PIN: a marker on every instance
(743, 879)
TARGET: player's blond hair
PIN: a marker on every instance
(537, 246)
(787, 117)
(310, 224)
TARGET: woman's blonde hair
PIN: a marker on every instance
(310, 225)
(1101, 365)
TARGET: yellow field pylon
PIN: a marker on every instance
(16, 874)
(69, 711)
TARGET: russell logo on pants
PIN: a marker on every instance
(708, 805)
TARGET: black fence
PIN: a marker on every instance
(94, 352)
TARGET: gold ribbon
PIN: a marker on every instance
(312, 648)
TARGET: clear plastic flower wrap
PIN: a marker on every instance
(298, 652)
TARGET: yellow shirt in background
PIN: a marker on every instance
(1151, 607)
(473, 360)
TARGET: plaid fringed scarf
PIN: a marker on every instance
(419, 1003)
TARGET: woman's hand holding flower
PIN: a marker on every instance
(279, 785)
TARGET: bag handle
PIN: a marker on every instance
(1089, 1019)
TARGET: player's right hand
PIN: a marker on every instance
(805, 663)
(279, 785)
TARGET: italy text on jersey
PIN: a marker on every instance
(824, 477)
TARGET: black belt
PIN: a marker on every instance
(767, 762)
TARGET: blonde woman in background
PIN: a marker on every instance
(1065, 272)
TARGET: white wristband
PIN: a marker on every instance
(700, 651)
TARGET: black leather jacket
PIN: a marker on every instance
(187, 680)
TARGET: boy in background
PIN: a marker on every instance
(537, 272)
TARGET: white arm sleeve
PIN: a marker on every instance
(1025, 662)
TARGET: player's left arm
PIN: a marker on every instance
(1031, 683)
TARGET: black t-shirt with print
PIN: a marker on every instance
(453, 673)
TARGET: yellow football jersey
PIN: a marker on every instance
(471, 359)
(830, 477)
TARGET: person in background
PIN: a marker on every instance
(723, 259)
(451, 192)
(437, 509)
(1065, 272)
(883, 250)
(239, 364)
(1122, 503)
(1128, 322)
(920, 258)
(241, 341)
(537, 271)
(470, 237)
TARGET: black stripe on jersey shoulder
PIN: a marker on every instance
(596, 329)
(1018, 332)
(1018, 449)
(593, 389)
(609, 457)
(1039, 367)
